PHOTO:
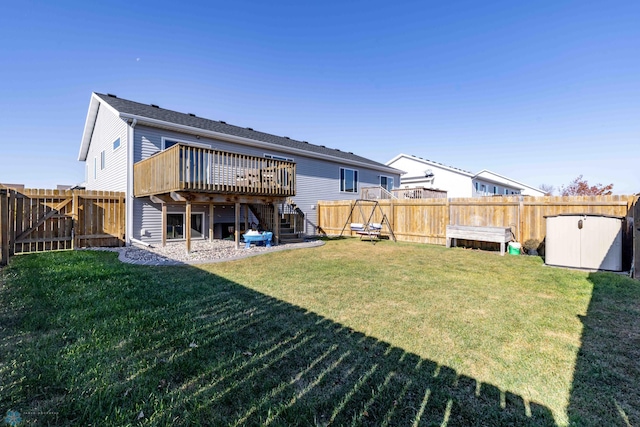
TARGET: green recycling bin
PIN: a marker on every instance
(514, 248)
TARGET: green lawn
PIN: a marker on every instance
(346, 334)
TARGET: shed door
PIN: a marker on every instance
(601, 243)
(562, 246)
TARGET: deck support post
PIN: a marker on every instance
(164, 225)
(4, 227)
(237, 225)
(246, 218)
(211, 221)
(187, 231)
(276, 225)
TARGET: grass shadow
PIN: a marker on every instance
(90, 340)
(606, 385)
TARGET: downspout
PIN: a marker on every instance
(129, 194)
(140, 242)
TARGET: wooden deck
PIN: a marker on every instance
(187, 169)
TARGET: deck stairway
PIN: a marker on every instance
(288, 233)
(291, 221)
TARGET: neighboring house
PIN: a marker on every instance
(17, 187)
(456, 182)
(170, 164)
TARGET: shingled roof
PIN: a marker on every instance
(184, 119)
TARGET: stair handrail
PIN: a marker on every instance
(375, 193)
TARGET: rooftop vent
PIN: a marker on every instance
(350, 152)
(249, 128)
(155, 106)
(286, 137)
(224, 123)
(192, 115)
(111, 95)
(323, 146)
(337, 149)
(306, 142)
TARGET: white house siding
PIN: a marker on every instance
(489, 188)
(316, 179)
(108, 128)
(532, 192)
(456, 183)
(147, 220)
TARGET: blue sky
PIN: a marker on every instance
(538, 91)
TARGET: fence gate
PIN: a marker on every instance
(48, 220)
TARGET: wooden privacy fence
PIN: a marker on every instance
(425, 220)
(33, 220)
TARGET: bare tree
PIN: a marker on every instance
(547, 188)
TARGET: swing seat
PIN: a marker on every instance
(368, 230)
(357, 226)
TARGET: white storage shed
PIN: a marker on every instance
(588, 241)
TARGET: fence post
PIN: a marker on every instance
(318, 218)
(447, 214)
(4, 226)
(521, 219)
(74, 218)
(636, 240)
(12, 221)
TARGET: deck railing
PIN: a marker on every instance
(187, 168)
(418, 193)
(374, 193)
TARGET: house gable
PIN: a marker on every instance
(457, 182)
(423, 173)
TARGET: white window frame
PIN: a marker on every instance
(280, 158)
(116, 147)
(164, 140)
(184, 225)
(356, 179)
(277, 157)
(389, 180)
(103, 160)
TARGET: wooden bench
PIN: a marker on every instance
(500, 235)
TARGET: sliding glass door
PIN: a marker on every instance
(176, 225)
